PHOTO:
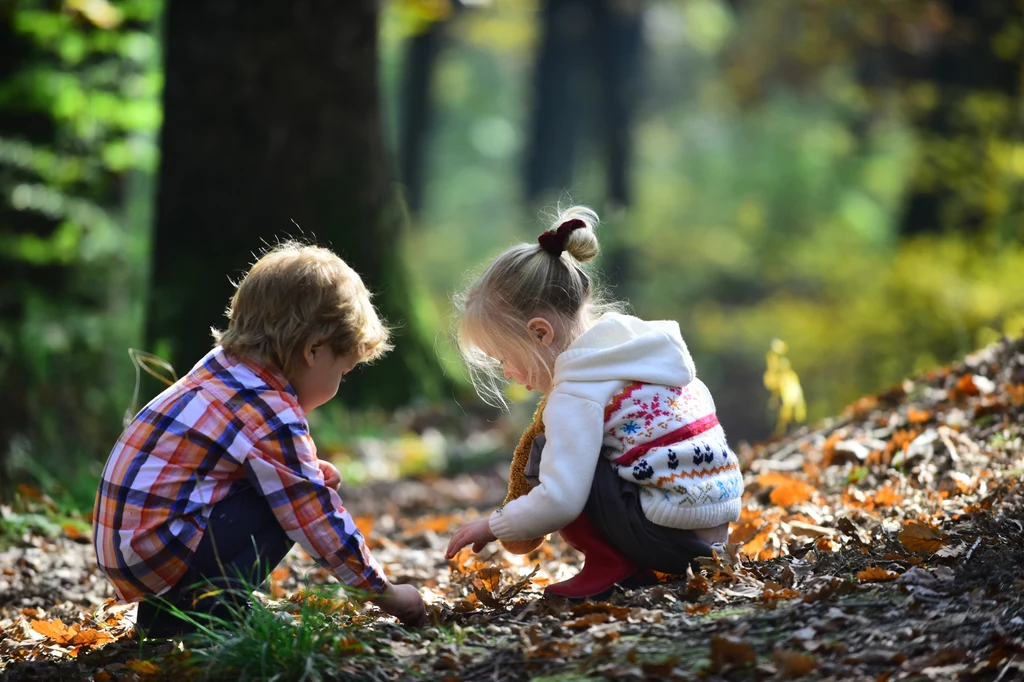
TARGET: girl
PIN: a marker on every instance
(635, 471)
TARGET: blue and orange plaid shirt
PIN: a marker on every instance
(227, 425)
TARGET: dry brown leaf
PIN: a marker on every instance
(588, 620)
(918, 537)
(876, 574)
(792, 664)
(727, 650)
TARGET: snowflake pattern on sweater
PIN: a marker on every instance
(669, 442)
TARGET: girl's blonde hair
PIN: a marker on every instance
(525, 281)
(296, 294)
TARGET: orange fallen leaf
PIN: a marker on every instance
(727, 650)
(917, 416)
(54, 629)
(918, 537)
(91, 638)
(74, 532)
(876, 574)
(792, 493)
(792, 664)
(886, 496)
(698, 609)
(281, 573)
(966, 386)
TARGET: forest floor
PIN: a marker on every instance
(884, 544)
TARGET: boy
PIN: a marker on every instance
(217, 477)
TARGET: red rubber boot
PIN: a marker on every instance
(603, 565)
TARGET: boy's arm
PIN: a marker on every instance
(283, 466)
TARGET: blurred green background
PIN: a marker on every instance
(846, 176)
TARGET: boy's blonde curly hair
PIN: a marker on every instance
(296, 294)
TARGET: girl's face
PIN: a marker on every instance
(531, 367)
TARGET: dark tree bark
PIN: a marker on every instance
(272, 116)
(418, 110)
(585, 77)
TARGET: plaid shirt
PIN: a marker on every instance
(226, 425)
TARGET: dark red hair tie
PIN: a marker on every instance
(553, 241)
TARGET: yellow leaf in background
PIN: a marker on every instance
(876, 574)
(784, 384)
(917, 537)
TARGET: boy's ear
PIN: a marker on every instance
(309, 353)
(542, 331)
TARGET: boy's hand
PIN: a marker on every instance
(477, 533)
(404, 603)
(332, 477)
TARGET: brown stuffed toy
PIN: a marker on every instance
(517, 483)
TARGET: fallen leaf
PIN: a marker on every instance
(950, 551)
(876, 574)
(727, 650)
(918, 416)
(792, 664)
(55, 630)
(918, 537)
(143, 667)
(91, 638)
(588, 620)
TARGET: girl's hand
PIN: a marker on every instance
(477, 533)
(330, 473)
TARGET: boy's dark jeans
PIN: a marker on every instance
(242, 544)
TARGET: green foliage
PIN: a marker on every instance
(772, 191)
(258, 641)
(78, 121)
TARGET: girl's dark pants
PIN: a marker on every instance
(614, 507)
(242, 544)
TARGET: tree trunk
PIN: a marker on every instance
(272, 129)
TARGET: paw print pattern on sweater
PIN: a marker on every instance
(642, 470)
(705, 456)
